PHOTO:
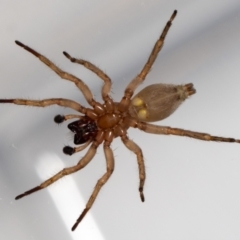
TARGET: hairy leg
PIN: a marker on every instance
(110, 167)
(137, 150)
(66, 171)
(129, 91)
(107, 81)
(155, 129)
(79, 83)
(48, 102)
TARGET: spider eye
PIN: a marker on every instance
(59, 119)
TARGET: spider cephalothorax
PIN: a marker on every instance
(105, 121)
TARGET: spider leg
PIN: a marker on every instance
(110, 167)
(66, 171)
(79, 83)
(151, 128)
(142, 75)
(132, 146)
(107, 81)
(47, 102)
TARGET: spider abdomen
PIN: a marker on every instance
(108, 120)
(158, 101)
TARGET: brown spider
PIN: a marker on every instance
(104, 122)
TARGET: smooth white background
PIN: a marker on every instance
(192, 188)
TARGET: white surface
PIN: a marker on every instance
(192, 188)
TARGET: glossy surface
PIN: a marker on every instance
(83, 129)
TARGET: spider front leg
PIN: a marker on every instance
(107, 81)
(48, 102)
(79, 83)
(66, 171)
(53, 101)
(110, 167)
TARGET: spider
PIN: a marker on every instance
(105, 121)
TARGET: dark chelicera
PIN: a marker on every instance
(84, 129)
